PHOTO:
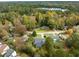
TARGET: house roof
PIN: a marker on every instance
(39, 41)
(2, 47)
(9, 52)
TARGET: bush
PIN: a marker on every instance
(34, 33)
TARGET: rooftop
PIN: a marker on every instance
(39, 41)
(2, 47)
(9, 52)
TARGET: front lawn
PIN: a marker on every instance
(41, 30)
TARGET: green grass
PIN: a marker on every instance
(41, 30)
(38, 35)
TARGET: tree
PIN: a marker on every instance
(52, 24)
(34, 33)
(73, 41)
(41, 52)
(51, 14)
(74, 52)
(61, 53)
(39, 17)
(29, 21)
(10, 43)
(29, 49)
(59, 44)
(19, 27)
(19, 44)
(6, 25)
(69, 32)
(60, 24)
(3, 34)
(49, 46)
(71, 20)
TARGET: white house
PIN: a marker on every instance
(3, 48)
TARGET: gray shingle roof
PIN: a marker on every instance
(39, 42)
(9, 52)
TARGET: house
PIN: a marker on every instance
(10, 53)
(38, 41)
(3, 48)
(6, 51)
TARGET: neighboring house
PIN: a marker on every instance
(6, 51)
(10, 53)
(39, 41)
(3, 48)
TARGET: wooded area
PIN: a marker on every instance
(18, 18)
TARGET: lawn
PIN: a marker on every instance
(41, 30)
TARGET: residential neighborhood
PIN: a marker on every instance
(39, 29)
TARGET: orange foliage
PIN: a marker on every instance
(69, 32)
(19, 43)
(19, 28)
